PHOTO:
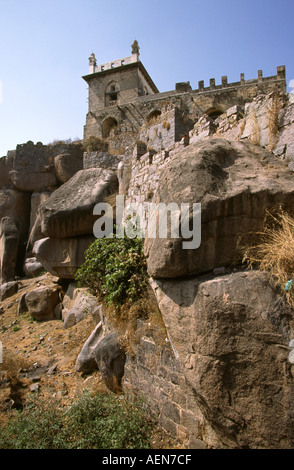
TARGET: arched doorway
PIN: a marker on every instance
(153, 116)
(107, 126)
(214, 113)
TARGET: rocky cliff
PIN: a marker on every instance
(221, 377)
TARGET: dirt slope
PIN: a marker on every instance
(39, 358)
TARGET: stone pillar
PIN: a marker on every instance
(281, 71)
(9, 241)
(92, 63)
(224, 81)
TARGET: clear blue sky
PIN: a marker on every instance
(45, 45)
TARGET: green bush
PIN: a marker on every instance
(115, 268)
(102, 421)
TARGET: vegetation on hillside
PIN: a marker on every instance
(115, 269)
(101, 421)
(274, 251)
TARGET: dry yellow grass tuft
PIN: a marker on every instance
(274, 251)
(273, 121)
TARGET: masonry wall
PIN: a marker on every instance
(134, 109)
(156, 375)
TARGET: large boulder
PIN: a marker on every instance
(16, 204)
(37, 199)
(32, 267)
(231, 335)
(86, 362)
(32, 181)
(42, 302)
(235, 183)
(5, 168)
(8, 289)
(69, 210)
(9, 242)
(83, 304)
(62, 257)
(110, 359)
(66, 166)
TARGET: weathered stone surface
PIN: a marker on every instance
(34, 235)
(86, 362)
(235, 183)
(22, 305)
(42, 301)
(110, 360)
(9, 241)
(101, 159)
(37, 199)
(8, 289)
(32, 267)
(82, 305)
(62, 257)
(16, 204)
(66, 166)
(32, 181)
(231, 334)
(69, 210)
(5, 168)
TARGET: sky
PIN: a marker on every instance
(45, 45)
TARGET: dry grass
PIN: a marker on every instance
(95, 144)
(274, 251)
(126, 321)
(166, 125)
(255, 135)
(273, 121)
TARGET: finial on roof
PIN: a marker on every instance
(92, 59)
(135, 47)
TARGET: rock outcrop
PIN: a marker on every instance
(69, 210)
(110, 359)
(62, 257)
(9, 242)
(235, 183)
(66, 166)
(42, 301)
(231, 335)
(86, 362)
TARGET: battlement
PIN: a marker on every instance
(94, 68)
(280, 76)
(123, 96)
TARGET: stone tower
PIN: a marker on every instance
(112, 87)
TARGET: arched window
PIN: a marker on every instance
(214, 113)
(107, 126)
(112, 94)
(153, 116)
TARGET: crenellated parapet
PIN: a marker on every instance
(278, 78)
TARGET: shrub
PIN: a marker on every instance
(273, 250)
(95, 144)
(115, 268)
(102, 421)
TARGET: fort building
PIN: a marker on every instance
(123, 97)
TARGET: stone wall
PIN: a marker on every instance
(155, 374)
(132, 110)
(101, 160)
